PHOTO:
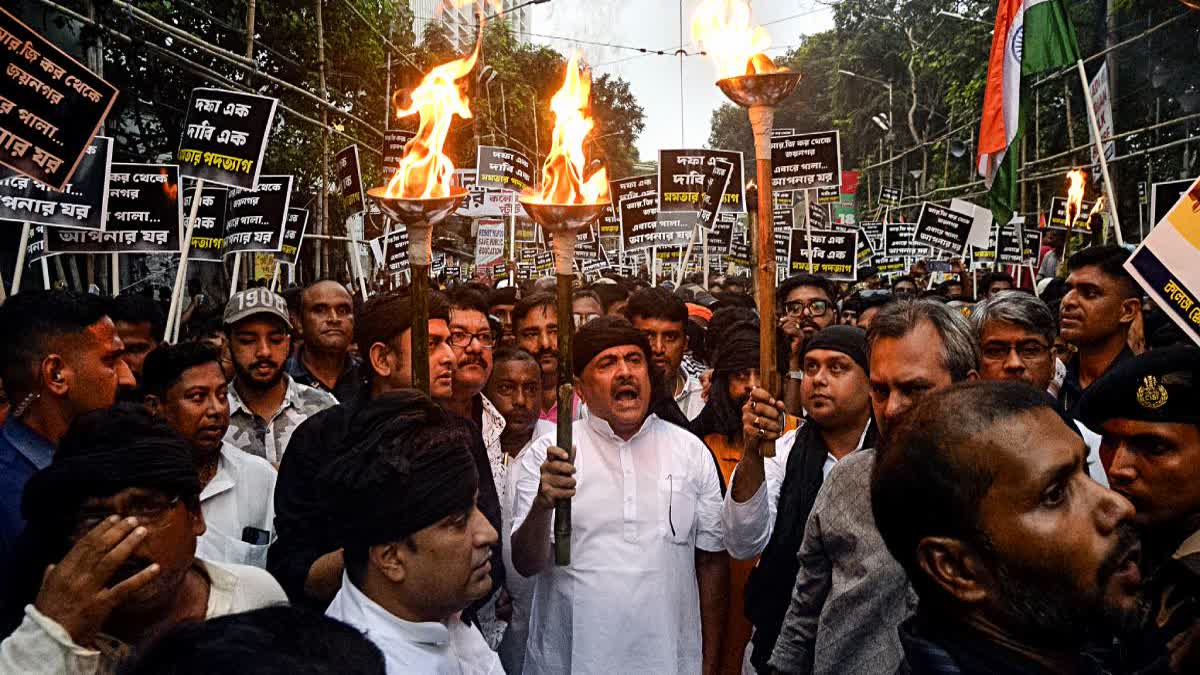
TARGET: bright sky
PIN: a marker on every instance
(655, 79)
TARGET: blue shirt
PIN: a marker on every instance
(23, 452)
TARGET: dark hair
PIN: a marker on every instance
(657, 303)
(587, 294)
(467, 299)
(1111, 261)
(529, 303)
(511, 353)
(31, 326)
(166, 364)
(722, 321)
(132, 308)
(902, 278)
(726, 299)
(993, 277)
(388, 315)
(203, 324)
(936, 446)
(796, 281)
(610, 294)
(874, 299)
(960, 350)
(502, 296)
(294, 298)
(276, 640)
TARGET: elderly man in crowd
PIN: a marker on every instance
(424, 553)
(645, 588)
(1019, 559)
(265, 403)
(117, 513)
(323, 360)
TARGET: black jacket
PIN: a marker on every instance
(305, 531)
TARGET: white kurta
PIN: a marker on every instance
(241, 494)
(629, 600)
(431, 648)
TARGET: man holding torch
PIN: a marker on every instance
(644, 591)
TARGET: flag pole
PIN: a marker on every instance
(1095, 126)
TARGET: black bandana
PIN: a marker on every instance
(603, 333)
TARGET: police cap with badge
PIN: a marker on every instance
(1161, 385)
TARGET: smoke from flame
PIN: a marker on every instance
(1075, 196)
(564, 179)
(725, 30)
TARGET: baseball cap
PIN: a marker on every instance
(255, 301)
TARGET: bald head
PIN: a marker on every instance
(327, 317)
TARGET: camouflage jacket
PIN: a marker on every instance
(269, 438)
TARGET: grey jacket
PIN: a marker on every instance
(850, 594)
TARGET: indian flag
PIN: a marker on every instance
(1031, 36)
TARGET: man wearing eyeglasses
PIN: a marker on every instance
(807, 307)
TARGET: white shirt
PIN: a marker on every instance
(748, 525)
(629, 600)
(691, 399)
(429, 648)
(241, 494)
(520, 588)
(492, 425)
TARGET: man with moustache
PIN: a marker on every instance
(769, 499)
(184, 386)
(265, 403)
(327, 328)
(1101, 304)
(1018, 558)
(307, 555)
(850, 594)
(1148, 410)
(515, 388)
(807, 305)
(423, 553)
(472, 340)
(645, 588)
(663, 317)
(535, 323)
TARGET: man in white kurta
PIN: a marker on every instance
(646, 527)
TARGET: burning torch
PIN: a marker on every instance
(724, 29)
(564, 204)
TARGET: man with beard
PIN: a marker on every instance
(60, 357)
(265, 403)
(307, 555)
(1148, 410)
(1017, 556)
(1101, 304)
(185, 387)
(117, 514)
(807, 305)
(515, 388)
(645, 588)
(140, 325)
(662, 317)
(323, 360)
(535, 322)
(417, 546)
(769, 500)
(849, 594)
(735, 375)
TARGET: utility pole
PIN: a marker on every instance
(322, 203)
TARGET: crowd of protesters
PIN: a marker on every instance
(957, 474)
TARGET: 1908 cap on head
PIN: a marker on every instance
(255, 301)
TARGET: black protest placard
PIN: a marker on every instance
(1010, 244)
(394, 141)
(722, 234)
(890, 264)
(806, 161)
(395, 254)
(257, 217)
(610, 223)
(984, 256)
(834, 254)
(503, 169)
(716, 181)
(525, 271)
(1032, 244)
(145, 214)
(681, 179)
(829, 195)
(82, 202)
(783, 217)
(293, 236)
(873, 231)
(898, 241)
(641, 224)
(208, 234)
(943, 229)
(349, 179)
(784, 198)
(1058, 216)
(587, 245)
(865, 253)
(739, 253)
(50, 105)
(1163, 196)
(782, 239)
(544, 261)
(889, 197)
(818, 216)
(225, 135)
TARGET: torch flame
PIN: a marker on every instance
(1097, 208)
(563, 173)
(725, 30)
(1074, 196)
